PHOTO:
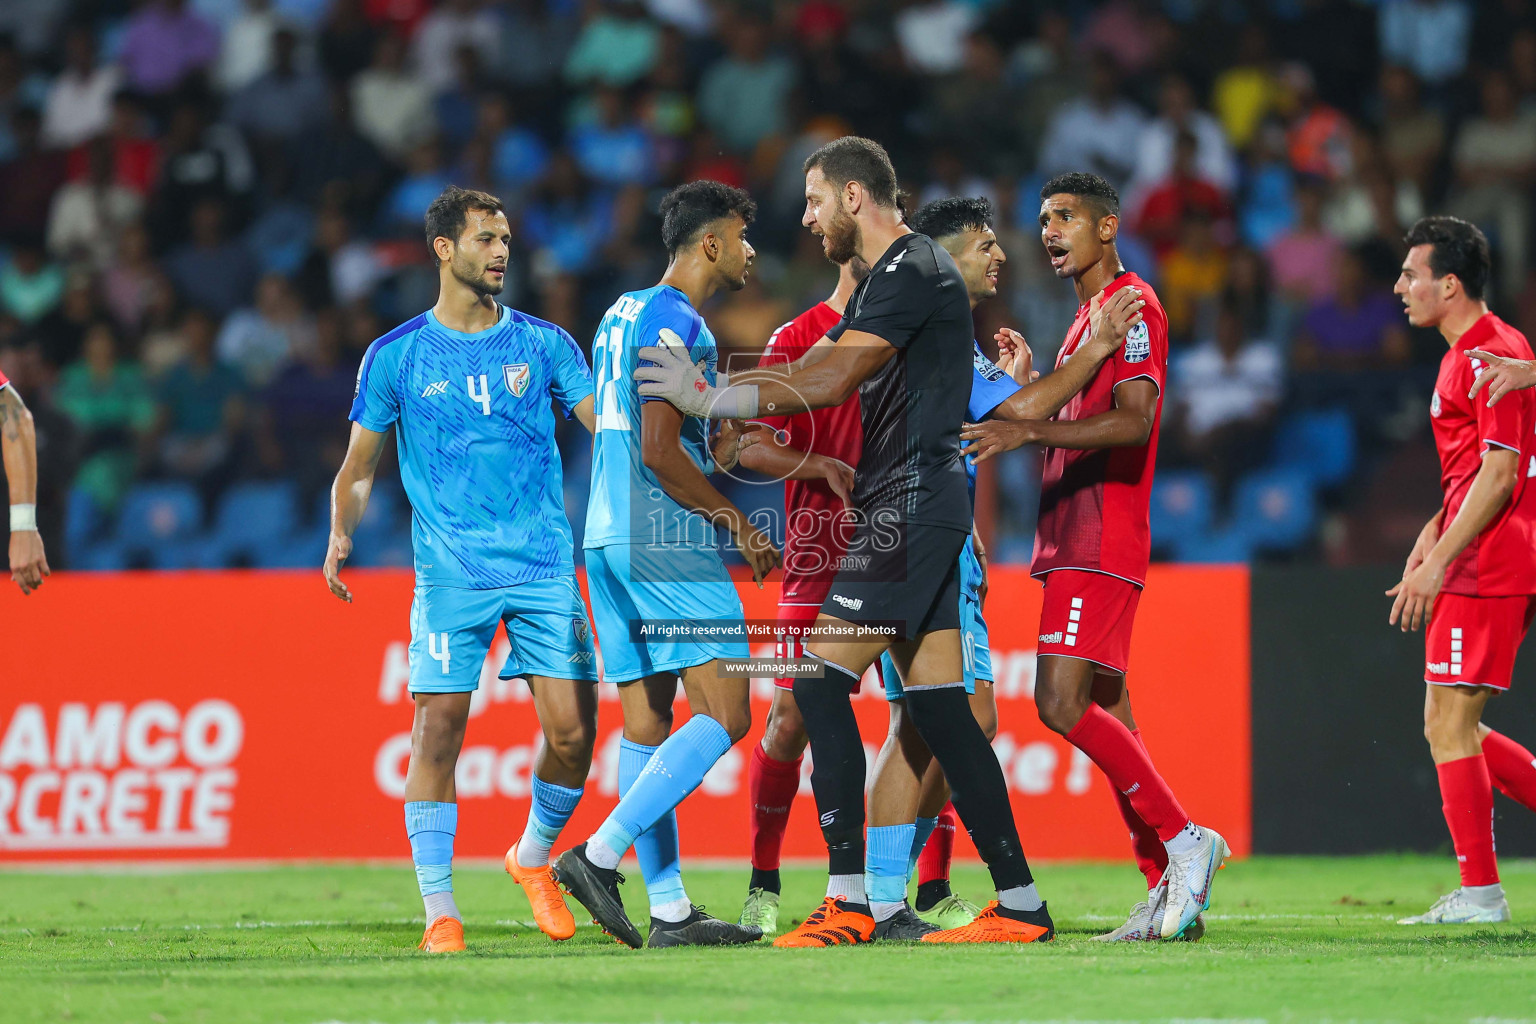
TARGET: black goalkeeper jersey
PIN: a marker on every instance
(911, 469)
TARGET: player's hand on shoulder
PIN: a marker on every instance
(666, 371)
(337, 551)
(29, 563)
(1501, 375)
(1110, 320)
(1014, 356)
(996, 436)
(839, 476)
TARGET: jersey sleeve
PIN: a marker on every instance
(990, 386)
(663, 311)
(571, 381)
(1144, 356)
(376, 401)
(1500, 426)
(4, 380)
(897, 301)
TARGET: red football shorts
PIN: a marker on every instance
(1088, 615)
(1472, 641)
(791, 642)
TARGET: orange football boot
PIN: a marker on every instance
(990, 926)
(830, 924)
(549, 910)
(445, 935)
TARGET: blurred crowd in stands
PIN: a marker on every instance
(209, 208)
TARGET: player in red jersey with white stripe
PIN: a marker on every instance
(18, 449)
(1471, 577)
(814, 454)
(1092, 550)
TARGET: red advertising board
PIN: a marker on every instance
(253, 715)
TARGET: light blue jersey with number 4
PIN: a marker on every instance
(627, 504)
(476, 433)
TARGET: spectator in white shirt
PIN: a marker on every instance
(1091, 133)
(392, 107)
(79, 103)
(457, 23)
(87, 216)
(1224, 395)
(1178, 113)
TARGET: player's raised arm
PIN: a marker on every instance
(662, 452)
(18, 447)
(349, 499)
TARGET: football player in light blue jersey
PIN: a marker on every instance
(467, 386)
(963, 227)
(652, 560)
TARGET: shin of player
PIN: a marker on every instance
(1470, 579)
(814, 454)
(492, 543)
(651, 556)
(1094, 544)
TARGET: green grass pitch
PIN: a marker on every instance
(1291, 939)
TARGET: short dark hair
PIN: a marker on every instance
(446, 216)
(1456, 247)
(688, 209)
(1098, 193)
(945, 217)
(853, 158)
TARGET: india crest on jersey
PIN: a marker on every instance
(516, 376)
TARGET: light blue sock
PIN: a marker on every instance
(553, 804)
(431, 826)
(924, 827)
(552, 807)
(657, 847)
(672, 772)
(886, 849)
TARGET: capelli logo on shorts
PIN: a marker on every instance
(854, 603)
(1051, 638)
(1437, 668)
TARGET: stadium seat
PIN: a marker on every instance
(157, 524)
(251, 518)
(1182, 502)
(84, 522)
(1275, 509)
(1227, 545)
(1320, 443)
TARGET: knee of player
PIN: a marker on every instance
(1059, 712)
(783, 740)
(571, 742)
(736, 721)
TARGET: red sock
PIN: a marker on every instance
(1512, 767)
(1106, 740)
(1151, 856)
(771, 788)
(1466, 795)
(933, 862)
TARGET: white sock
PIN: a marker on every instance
(849, 887)
(440, 904)
(601, 854)
(673, 911)
(1186, 841)
(885, 911)
(1020, 897)
(533, 848)
(1485, 896)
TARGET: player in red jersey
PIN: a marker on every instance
(1092, 550)
(814, 454)
(1471, 577)
(18, 448)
